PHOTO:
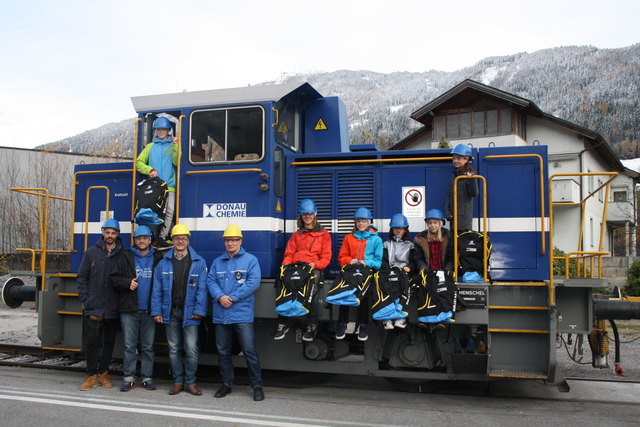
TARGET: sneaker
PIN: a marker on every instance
(400, 323)
(457, 347)
(90, 382)
(104, 380)
(388, 324)
(148, 385)
(127, 385)
(164, 245)
(310, 332)
(281, 331)
(471, 346)
(341, 331)
(363, 333)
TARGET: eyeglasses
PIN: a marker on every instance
(180, 239)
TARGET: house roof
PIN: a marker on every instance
(222, 96)
(466, 92)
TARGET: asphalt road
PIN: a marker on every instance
(37, 397)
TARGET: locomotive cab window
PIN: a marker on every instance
(227, 135)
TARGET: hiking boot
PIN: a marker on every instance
(341, 331)
(400, 323)
(281, 331)
(127, 385)
(310, 332)
(164, 245)
(148, 385)
(363, 333)
(388, 324)
(104, 380)
(90, 381)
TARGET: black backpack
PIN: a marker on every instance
(152, 193)
(471, 251)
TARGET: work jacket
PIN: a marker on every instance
(97, 296)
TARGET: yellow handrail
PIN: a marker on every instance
(578, 255)
(400, 159)
(484, 224)
(542, 192)
(43, 224)
(33, 254)
(133, 170)
(177, 207)
(224, 171)
(86, 211)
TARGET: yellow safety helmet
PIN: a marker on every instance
(179, 230)
(232, 231)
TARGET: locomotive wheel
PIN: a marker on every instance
(409, 385)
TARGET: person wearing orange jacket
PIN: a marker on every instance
(361, 246)
(310, 244)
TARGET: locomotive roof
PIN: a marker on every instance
(222, 96)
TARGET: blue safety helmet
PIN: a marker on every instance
(307, 206)
(111, 223)
(162, 123)
(399, 220)
(363, 213)
(142, 230)
(462, 150)
(435, 214)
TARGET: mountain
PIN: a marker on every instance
(595, 88)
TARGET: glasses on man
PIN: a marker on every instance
(180, 239)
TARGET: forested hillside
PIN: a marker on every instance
(595, 88)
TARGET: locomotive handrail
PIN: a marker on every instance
(133, 172)
(43, 223)
(33, 254)
(224, 171)
(399, 159)
(277, 114)
(75, 184)
(539, 157)
(176, 214)
(484, 225)
(578, 255)
(86, 215)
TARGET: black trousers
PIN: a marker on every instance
(98, 338)
(362, 312)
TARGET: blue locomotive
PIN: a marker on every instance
(248, 156)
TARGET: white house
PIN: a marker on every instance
(477, 114)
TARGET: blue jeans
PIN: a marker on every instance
(137, 325)
(246, 337)
(183, 349)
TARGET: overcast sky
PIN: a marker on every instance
(72, 65)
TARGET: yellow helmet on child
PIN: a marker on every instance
(232, 231)
(180, 230)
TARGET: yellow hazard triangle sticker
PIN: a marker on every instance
(320, 125)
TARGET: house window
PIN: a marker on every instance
(619, 196)
(472, 123)
(600, 191)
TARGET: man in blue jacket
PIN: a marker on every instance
(99, 305)
(179, 300)
(233, 279)
(132, 278)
